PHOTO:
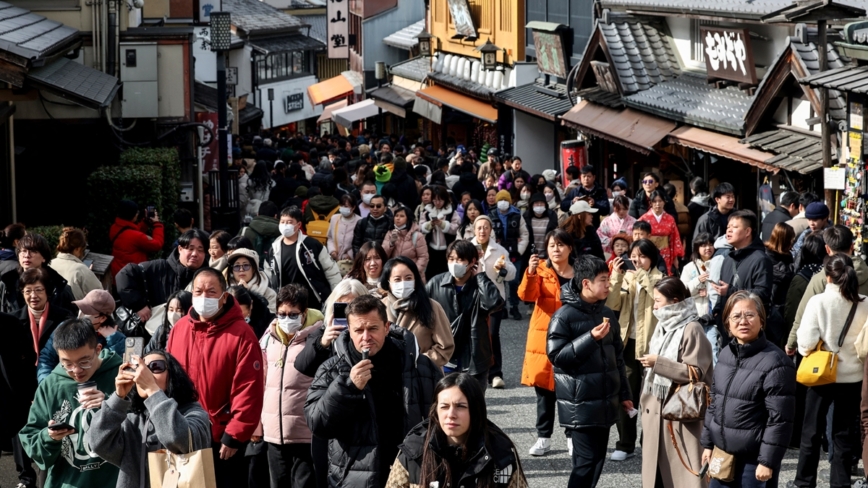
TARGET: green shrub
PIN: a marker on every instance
(107, 186)
(170, 182)
(51, 233)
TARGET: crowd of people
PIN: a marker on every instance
(347, 335)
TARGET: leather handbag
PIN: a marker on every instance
(192, 470)
(721, 466)
(687, 402)
(820, 367)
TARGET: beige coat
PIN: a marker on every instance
(435, 342)
(657, 448)
(79, 277)
(622, 292)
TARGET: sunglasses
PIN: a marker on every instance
(648, 182)
(241, 267)
(291, 316)
(377, 206)
(158, 366)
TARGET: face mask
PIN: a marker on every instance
(400, 227)
(367, 198)
(525, 196)
(289, 326)
(403, 289)
(206, 307)
(550, 197)
(503, 205)
(539, 210)
(457, 270)
(616, 194)
(174, 317)
(288, 230)
(346, 211)
(353, 178)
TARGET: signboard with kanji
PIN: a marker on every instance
(338, 29)
(550, 57)
(728, 55)
(462, 20)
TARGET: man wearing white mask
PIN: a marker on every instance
(220, 352)
(368, 192)
(297, 258)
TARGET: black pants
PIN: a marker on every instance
(319, 450)
(545, 412)
(23, 464)
(232, 472)
(589, 455)
(494, 327)
(845, 432)
(257, 466)
(627, 426)
(291, 465)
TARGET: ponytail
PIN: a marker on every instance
(840, 269)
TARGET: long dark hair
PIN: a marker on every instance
(465, 221)
(259, 177)
(840, 269)
(420, 304)
(179, 386)
(564, 238)
(358, 270)
(649, 250)
(433, 466)
(185, 298)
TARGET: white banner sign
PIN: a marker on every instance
(338, 29)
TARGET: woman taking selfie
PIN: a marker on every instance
(678, 353)
(750, 417)
(437, 452)
(159, 389)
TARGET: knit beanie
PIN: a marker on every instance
(503, 195)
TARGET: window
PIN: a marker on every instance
(278, 66)
(697, 44)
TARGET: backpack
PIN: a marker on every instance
(318, 228)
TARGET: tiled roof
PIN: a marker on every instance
(600, 96)
(809, 56)
(406, 37)
(77, 82)
(255, 16)
(528, 98)
(796, 151)
(395, 95)
(415, 69)
(460, 84)
(690, 99)
(854, 78)
(29, 35)
(294, 42)
(318, 26)
(641, 55)
(743, 9)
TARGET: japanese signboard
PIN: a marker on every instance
(550, 57)
(462, 20)
(573, 153)
(293, 102)
(338, 29)
(231, 76)
(728, 54)
(203, 13)
(208, 152)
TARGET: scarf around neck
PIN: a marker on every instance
(666, 340)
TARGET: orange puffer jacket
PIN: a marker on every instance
(544, 289)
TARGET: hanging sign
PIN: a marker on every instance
(338, 29)
(728, 54)
(833, 178)
(573, 153)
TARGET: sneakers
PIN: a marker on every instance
(621, 455)
(515, 313)
(497, 382)
(570, 447)
(541, 448)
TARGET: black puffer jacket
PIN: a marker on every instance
(152, 282)
(754, 271)
(778, 215)
(590, 379)
(712, 222)
(338, 411)
(782, 269)
(12, 300)
(468, 315)
(640, 205)
(18, 377)
(369, 229)
(753, 402)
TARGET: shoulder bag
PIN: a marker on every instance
(192, 470)
(820, 367)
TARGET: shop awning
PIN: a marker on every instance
(357, 111)
(328, 90)
(440, 96)
(721, 145)
(635, 130)
(393, 99)
(328, 109)
(795, 149)
(426, 109)
(406, 37)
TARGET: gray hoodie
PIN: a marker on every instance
(722, 249)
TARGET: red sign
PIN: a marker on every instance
(209, 152)
(573, 153)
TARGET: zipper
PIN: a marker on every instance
(725, 394)
(280, 397)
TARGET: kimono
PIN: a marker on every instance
(612, 226)
(664, 235)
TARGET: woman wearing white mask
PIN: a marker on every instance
(284, 429)
(176, 307)
(540, 220)
(618, 222)
(408, 305)
(341, 227)
(406, 239)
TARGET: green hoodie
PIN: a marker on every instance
(69, 462)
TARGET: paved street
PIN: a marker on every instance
(514, 410)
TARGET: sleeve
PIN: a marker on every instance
(246, 393)
(523, 238)
(616, 294)
(567, 201)
(41, 448)
(443, 344)
(332, 273)
(601, 202)
(808, 333)
(690, 278)
(115, 343)
(603, 234)
(387, 244)
(615, 332)
(332, 237)
(131, 287)
(675, 241)
(815, 287)
(313, 355)
(422, 257)
(333, 403)
(110, 431)
(779, 386)
(48, 360)
(567, 352)
(529, 288)
(634, 208)
(695, 350)
(149, 244)
(89, 281)
(701, 225)
(175, 428)
(490, 298)
(358, 235)
(455, 223)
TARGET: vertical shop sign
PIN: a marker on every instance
(338, 31)
(573, 153)
(728, 54)
(208, 153)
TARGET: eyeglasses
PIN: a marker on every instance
(241, 267)
(83, 364)
(291, 315)
(377, 206)
(27, 252)
(158, 366)
(29, 292)
(735, 318)
(648, 182)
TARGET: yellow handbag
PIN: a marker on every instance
(820, 367)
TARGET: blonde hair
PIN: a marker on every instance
(347, 286)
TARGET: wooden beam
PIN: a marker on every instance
(14, 95)
(12, 73)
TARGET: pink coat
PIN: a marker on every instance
(340, 236)
(283, 420)
(405, 246)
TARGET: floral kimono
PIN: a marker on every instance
(664, 234)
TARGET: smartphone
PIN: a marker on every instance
(135, 346)
(61, 426)
(704, 470)
(88, 262)
(152, 211)
(340, 314)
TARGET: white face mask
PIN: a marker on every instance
(401, 227)
(346, 211)
(353, 177)
(457, 270)
(290, 326)
(550, 197)
(403, 289)
(206, 307)
(539, 209)
(174, 317)
(287, 230)
(503, 205)
(366, 197)
(525, 196)
(616, 194)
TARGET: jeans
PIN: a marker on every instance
(520, 265)
(713, 336)
(545, 412)
(232, 472)
(845, 433)
(291, 465)
(745, 477)
(627, 426)
(494, 327)
(589, 455)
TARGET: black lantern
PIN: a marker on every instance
(489, 55)
(425, 40)
(221, 31)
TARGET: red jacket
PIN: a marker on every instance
(133, 245)
(224, 360)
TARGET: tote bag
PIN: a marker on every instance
(192, 470)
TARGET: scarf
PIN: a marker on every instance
(37, 326)
(666, 340)
(398, 308)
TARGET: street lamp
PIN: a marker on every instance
(425, 40)
(489, 55)
(221, 41)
